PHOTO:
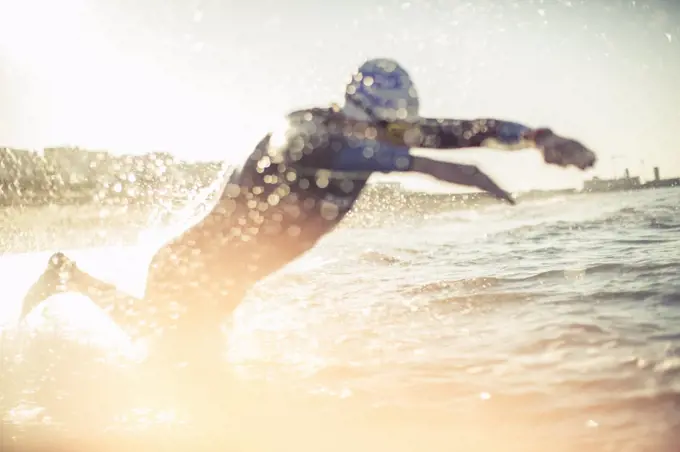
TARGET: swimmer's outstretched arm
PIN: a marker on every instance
(456, 173)
(432, 133)
(491, 133)
(456, 134)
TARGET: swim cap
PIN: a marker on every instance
(381, 89)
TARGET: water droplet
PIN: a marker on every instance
(294, 230)
(273, 199)
(347, 185)
(322, 180)
(402, 162)
(484, 396)
(329, 211)
(669, 37)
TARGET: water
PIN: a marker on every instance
(555, 323)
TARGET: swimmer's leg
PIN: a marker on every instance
(62, 275)
(48, 284)
(176, 334)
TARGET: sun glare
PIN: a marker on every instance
(82, 90)
(41, 31)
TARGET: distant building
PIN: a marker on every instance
(659, 183)
(625, 183)
(628, 183)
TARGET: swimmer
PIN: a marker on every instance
(295, 188)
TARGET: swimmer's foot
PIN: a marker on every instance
(53, 281)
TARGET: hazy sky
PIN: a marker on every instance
(206, 78)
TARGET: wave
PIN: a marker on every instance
(670, 299)
(377, 257)
(655, 224)
(484, 301)
(614, 295)
(663, 217)
(488, 282)
(642, 216)
(599, 268)
(438, 286)
(641, 241)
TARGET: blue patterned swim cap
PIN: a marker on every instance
(381, 89)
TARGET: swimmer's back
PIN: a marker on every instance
(284, 198)
(296, 178)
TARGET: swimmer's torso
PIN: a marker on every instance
(295, 187)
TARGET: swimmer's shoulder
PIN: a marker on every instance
(318, 114)
(315, 121)
(302, 132)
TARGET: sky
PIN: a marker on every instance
(205, 79)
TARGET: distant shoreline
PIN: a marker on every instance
(75, 195)
(375, 198)
(74, 176)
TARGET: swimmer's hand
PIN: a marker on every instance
(562, 151)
